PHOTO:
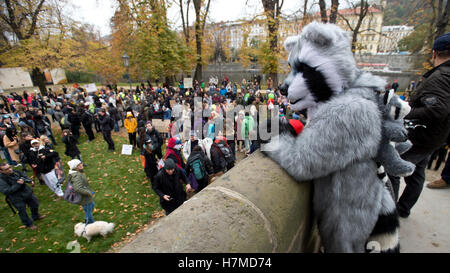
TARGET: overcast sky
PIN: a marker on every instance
(99, 12)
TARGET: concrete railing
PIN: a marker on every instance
(256, 207)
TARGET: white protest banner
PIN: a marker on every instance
(127, 149)
(91, 87)
(188, 83)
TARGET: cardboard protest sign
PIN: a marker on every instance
(160, 125)
(91, 87)
(188, 83)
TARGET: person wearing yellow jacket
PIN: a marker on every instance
(130, 124)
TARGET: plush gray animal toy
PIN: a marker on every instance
(337, 147)
(394, 139)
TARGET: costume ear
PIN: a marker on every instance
(319, 34)
(290, 42)
(388, 96)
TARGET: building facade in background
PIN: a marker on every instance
(368, 39)
(391, 35)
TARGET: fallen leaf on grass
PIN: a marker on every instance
(158, 214)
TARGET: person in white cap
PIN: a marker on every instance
(81, 185)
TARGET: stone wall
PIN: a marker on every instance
(256, 207)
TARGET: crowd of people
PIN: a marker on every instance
(198, 148)
(196, 151)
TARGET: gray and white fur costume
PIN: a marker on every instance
(339, 143)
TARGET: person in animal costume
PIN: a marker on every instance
(338, 146)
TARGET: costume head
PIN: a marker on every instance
(322, 65)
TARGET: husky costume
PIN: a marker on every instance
(338, 145)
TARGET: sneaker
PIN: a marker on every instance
(438, 184)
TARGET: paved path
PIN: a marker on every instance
(427, 229)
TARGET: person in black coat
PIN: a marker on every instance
(13, 186)
(168, 187)
(155, 136)
(71, 145)
(75, 123)
(106, 124)
(87, 119)
(150, 168)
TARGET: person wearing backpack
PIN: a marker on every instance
(200, 166)
(81, 186)
(225, 150)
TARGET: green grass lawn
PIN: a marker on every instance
(123, 196)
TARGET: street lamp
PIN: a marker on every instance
(126, 63)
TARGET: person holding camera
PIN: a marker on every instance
(13, 185)
(71, 145)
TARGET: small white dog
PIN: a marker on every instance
(96, 228)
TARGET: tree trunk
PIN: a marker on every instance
(323, 11)
(442, 21)
(304, 19)
(334, 11)
(198, 43)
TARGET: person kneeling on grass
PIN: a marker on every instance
(168, 187)
(81, 186)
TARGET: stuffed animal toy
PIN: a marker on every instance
(394, 135)
(337, 147)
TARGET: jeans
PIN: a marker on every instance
(446, 171)
(116, 126)
(7, 156)
(88, 209)
(414, 182)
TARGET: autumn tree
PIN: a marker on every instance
(156, 52)
(432, 21)
(201, 13)
(361, 9)
(334, 11)
(270, 50)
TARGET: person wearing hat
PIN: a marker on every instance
(81, 185)
(430, 105)
(168, 187)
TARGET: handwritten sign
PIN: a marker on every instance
(127, 149)
(160, 125)
(91, 87)
(188, 83)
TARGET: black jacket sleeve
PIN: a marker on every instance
(432, 103)
(156, 185)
